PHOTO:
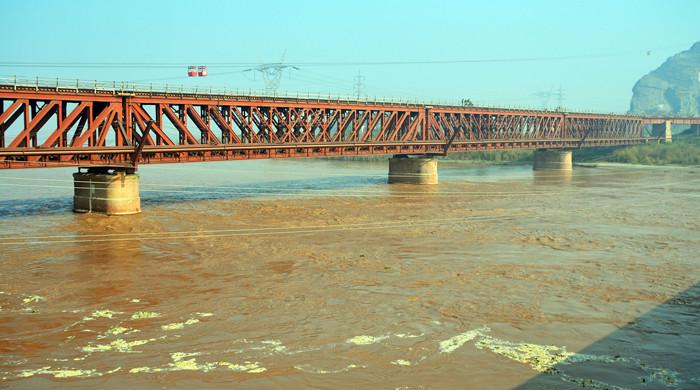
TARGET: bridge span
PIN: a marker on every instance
(111, 128)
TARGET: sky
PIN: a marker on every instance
(512, 53)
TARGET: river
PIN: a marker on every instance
(317, 274)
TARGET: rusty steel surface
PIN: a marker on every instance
(45, 127)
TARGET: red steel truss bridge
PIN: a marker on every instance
(49, 123)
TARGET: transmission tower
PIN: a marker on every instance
(272, 74)
(359, 86)
(546, 97)
(560, 98)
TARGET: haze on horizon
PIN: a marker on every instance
(503, 53)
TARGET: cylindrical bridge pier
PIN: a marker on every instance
(413, 170)
(552, 159)
(111, 191)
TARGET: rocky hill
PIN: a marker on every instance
(673, 88)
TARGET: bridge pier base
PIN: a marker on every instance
(413, 170)
(111, 191)
(552, 159)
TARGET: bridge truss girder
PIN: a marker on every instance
(46, 127)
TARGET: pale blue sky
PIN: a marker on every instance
(609, 38)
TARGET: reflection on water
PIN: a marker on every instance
(553, 177)
(318, 274)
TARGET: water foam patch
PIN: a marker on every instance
(117, 331)
(64, 372)
(142, 315)
(186, 361)
(366, 340)
(455, 342)
(551, 358)
(58, 372)
(102, 314)
(408, 335)
(313, 370)
(663, 376)
(540, 357)
(249, 367)
(270, 347)
(118, 345)
(179, 325)
(32, 299)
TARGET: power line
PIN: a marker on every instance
(186, 77)
(311, 78)
(272, 74)
(252, 65)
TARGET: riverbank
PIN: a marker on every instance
(683, 151)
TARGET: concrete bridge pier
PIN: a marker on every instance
(663, 131)
(552, 159)
(107, 190)
(413, 170)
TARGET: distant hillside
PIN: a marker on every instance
(673, 88)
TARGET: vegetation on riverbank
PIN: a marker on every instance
(682, 151)
(494, 157)
(481, 157)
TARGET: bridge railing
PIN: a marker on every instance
(117, 87)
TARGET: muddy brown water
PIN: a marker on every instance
(316, 274)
